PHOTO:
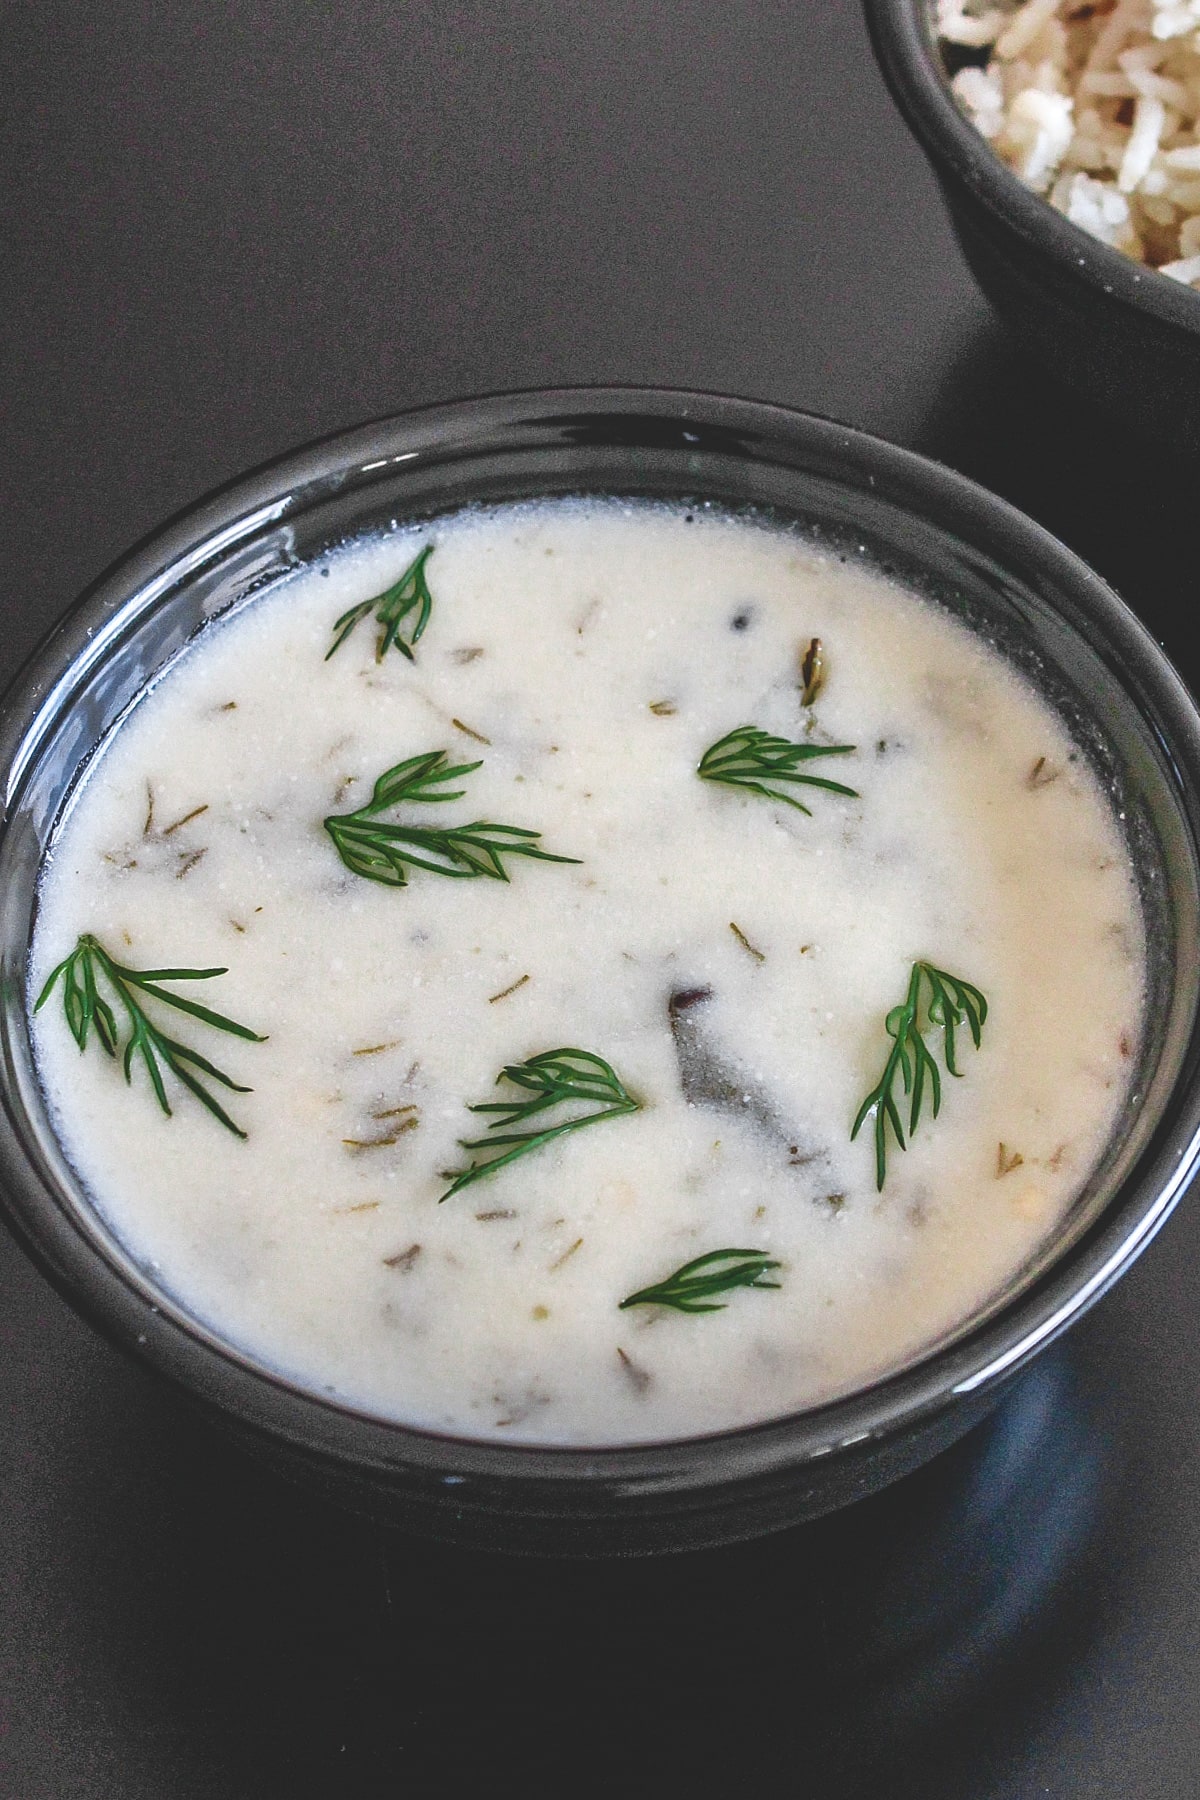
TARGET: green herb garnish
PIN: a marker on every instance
(86, 1006)
(754, 760)
(382, 850)
(950, 1002)
(555, 1078)
(391, 608)
(719, 1272)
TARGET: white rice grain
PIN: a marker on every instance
(1037, 131)
(973, 30)
(1175, 21)
(1096, 207)
(1143, 143)
(1025, 26)
(1096, 104)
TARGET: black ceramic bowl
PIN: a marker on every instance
(1116, 331)
(939, 533)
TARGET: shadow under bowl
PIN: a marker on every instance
(1113, 329)
(859, 497)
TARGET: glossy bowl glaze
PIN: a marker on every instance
(937, 532)
(1120, 333)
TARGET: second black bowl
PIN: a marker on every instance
(1113, 329)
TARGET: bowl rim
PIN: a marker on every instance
(270, 1408)
(905, 44)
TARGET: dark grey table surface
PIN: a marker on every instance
(227, 229)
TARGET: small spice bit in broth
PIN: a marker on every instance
(229, 706)
(469, 653)
(148, 827)
(403, 1259)
(744, 941)
(664, 709)
(540, 1312)
(397, 1112)
(237, 927)
(505, 992)
(1124, 1046)
(363, 1206)
(812, 672)
(189, 860)
(378, 1049)
(1007, 1160)
(1124, 938)
(517, 1408)
(468, 732)
(1042, 774)
(382, 1143)
(566, 1255)
(186, 820)
(640, 1378)
(499, 1212)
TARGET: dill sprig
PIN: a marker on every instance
(950, 1002)
(85, 1007)
(555, 1078)
(391, 608)
(719, 1272)
(382, 850)
(753, 759)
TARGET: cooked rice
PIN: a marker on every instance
(1096, 105)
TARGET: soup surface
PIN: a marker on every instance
(731, 958)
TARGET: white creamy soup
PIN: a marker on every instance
(727, 959)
